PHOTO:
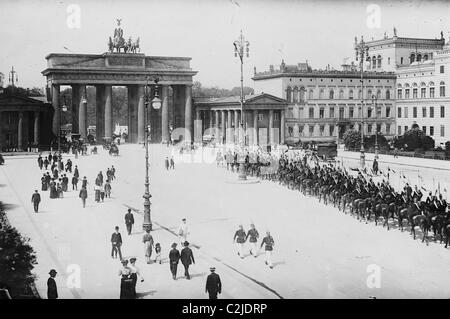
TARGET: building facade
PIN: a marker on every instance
(263, 119)
(323, 104)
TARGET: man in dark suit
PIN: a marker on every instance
(129, 221)
(36, 199)
(83, 195)
(116, 242)
(174, 258)
(213, 284)
(52, 290)
(187, 258)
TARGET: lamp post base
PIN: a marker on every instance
(362, 159)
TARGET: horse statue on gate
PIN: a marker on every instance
(118, 42)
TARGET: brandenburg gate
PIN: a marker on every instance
(133, 70)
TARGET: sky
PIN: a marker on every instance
(320, 32)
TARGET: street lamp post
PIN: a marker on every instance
(362, 50)
(374, 102)
(61, 109)
(239, 46)
(156, 103)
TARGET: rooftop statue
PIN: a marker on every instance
(118, 42)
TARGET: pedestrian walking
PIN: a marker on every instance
(74, 183)
(213, 284)
(129, 221)
(126, 282)
(158, 252)
(36, 199)
(84, 182)
(269, 242)
(183, 231)
(239, 238)
(44, 185)
(102, 193)
(166, 163)
(83, 195)
(375, 166)
(97, 193)
(52, 289)
(40, 162)
(46, 163)
(174, 258)
(135, 274)
(76, 173)
(187, 258)
(172, 163)
(116, 243)
(107, 189)
(113, 172)
(148, 245)
(254, 235)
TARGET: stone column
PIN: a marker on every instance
(216, 125)
(75, 107)
(36, 128)
(255, 127)
(108, 112)
(188, 111)
(282, 126)
(141, 115)
(1, 131)
(20, 132)
(210, 113)
(271, 139)
(82, 113)
(99, 113)
(230, 127)
(236, 126)
(165, 114)
(132, 113)
(56, 114)
(222, 137)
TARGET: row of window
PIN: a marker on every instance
(298, 95)
(423, 92)
(352, 113)
(424, 112)
(331, 130)
(424, 129)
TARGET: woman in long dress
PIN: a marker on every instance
(148, 244)
(43, 183)
(126, 281)
(97, 193)
(53, 192)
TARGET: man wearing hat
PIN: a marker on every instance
(36, 199)
(213, 284)
(269, 243)
(52, 290)
(187, 258)
(174, 258)
(129, 221)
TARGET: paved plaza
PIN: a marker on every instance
(319, 252)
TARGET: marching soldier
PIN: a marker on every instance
(239, 237)
(213, 284)
(269, 242)
(253, 234)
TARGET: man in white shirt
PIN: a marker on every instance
(183, 231)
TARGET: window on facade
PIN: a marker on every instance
(369, 112)
(302, 95)
(311, 130)
(388, 128)
(350, 94)
(379, 61)
(442, 131)
(290, 112)
(424, 111)
(300, 113)
(341, 112)
(275, 116)
(290, 131)
(369, 128)
(406, 128)
(423, 92)
(311, 112)
(388, 95)
(431, 130)
(442, 111)
(399, 94)
(289, 94)
(415, 112)
(374, 62)
(321, 94)
(399, 130)
(388, 111)
(401, 60)
(322, 130)
(311, 94)
(295, 95)
(442, 89)
(331, 112)
(331, 130)
(424, 129)
(369, 94)
(341, 94)
(379, 94)
(412, 58)
(441, 69)
(378, 112)
(351, 112)
(431, 111)
(261, 116)
(431, 93)
(425, 57)
(331, 94)
(405, 112)
(419, 58)
(359, 95)
(414, 93)
(300, 130)
(406, 93)
(389, 60)
(321, 112)
(378, 128)
(399, 112)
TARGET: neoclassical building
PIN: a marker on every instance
(323, 104)
(24, 121)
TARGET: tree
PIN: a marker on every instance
(352, 139)
(369, 141)
(414, 139)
